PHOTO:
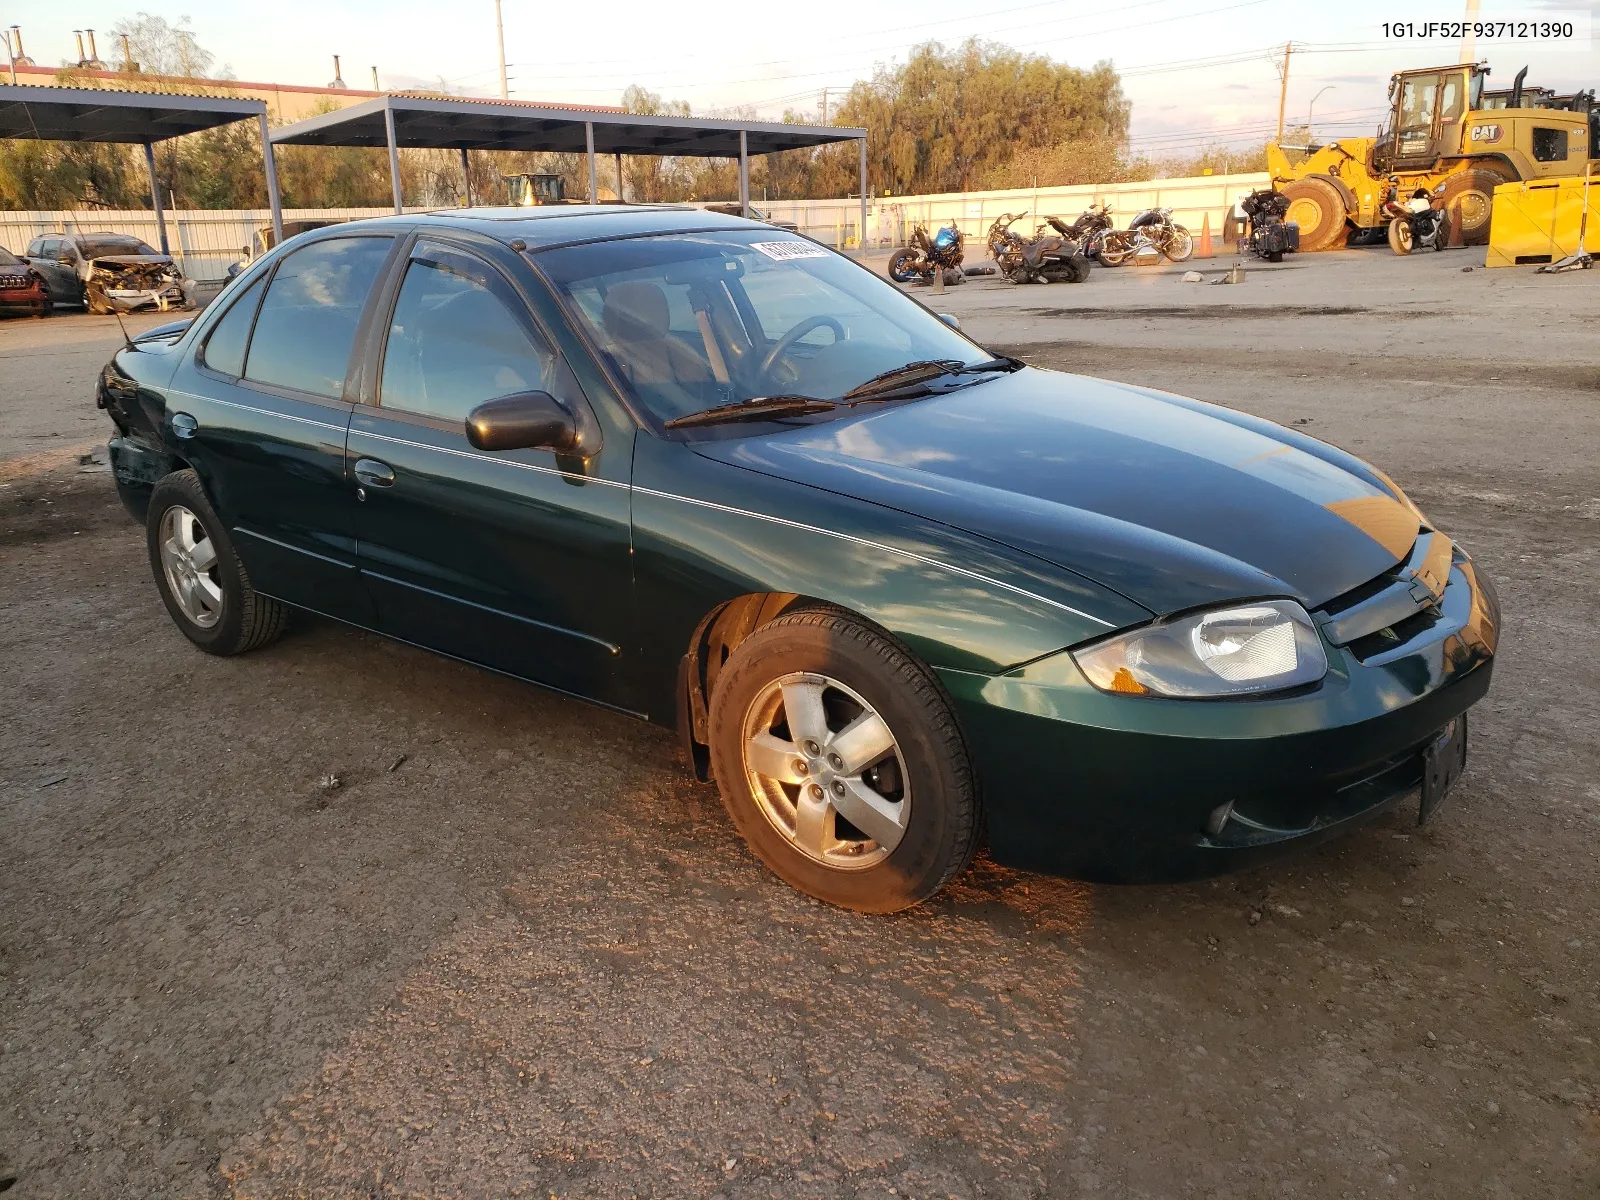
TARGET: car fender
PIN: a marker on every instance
(706, 533)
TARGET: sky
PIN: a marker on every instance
(1197, 71)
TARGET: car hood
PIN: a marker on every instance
(1171, 502)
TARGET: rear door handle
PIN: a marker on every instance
(372, 473)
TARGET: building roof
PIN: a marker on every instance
(96, 115)
(177, 84)
(439, 123)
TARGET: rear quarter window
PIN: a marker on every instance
(225, 344)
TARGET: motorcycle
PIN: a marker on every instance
(1153, 229)
(1418, 223)
(927, 254)
(1089, 231)
(1268, 235)
(1043, 258)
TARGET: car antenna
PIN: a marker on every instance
(128, 341)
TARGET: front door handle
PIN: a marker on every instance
(372, 473)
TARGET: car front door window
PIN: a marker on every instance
(454, 341)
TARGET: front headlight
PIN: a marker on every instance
(1265, 646)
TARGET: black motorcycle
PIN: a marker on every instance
(1089, 231)
(1419, 223)
(1043, 258)
(927, 254)
(1267, 233)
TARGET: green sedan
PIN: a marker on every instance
(897, 595)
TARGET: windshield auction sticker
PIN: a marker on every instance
(1546, 28)
(787, 250)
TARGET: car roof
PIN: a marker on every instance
(541, 227)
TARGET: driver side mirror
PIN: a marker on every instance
(523, 421)
(950, 320)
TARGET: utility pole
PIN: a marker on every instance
(824, 106)
(1283, 90)
(1468, 44)
(500, 37)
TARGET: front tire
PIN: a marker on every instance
(1316, 205)
(900, 266)
(1400, 235)
(1180, 244)
(841, 763)
(200, 578)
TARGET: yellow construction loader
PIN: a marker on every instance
(1444, 132)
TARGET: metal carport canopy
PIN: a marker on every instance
(136, 118)
(444, 123)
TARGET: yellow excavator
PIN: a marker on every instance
(1444, 134)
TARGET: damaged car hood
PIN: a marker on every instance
(1169, 501)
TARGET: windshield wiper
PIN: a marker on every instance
(907, 376)
(757, 408)
(1002, 363)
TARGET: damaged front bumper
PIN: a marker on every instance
(124, 286)
(128, 299)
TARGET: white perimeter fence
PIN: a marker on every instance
(206, 241)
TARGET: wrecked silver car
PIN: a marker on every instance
(108, 272)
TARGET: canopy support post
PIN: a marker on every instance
(620, 198)
(744, 174)
(155, 195)
(394, 152)
(466, 177)
(861, 230)
(274, 200)
(594, 182)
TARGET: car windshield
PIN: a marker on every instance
(698, 321)
(97, 247)
(8, 259)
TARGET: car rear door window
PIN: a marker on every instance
(308, 318)
(456, 340)
(225, 345)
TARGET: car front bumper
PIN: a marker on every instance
(1128, 788)
(129, 299)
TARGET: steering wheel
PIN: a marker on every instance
(787, 342)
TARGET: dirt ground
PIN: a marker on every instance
(516, 953)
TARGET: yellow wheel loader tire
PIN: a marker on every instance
(1468, 198)
(1318, 208)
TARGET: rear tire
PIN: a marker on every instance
(1318, 208)
(1400, 235)
(204, 586)
(840, 676)
(1469, 201)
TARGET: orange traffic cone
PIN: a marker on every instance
(1204, 250)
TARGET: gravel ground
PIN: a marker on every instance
(514, 952)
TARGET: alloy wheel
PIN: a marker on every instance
(189, 562)
(826, 771)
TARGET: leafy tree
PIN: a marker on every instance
(945, 118)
